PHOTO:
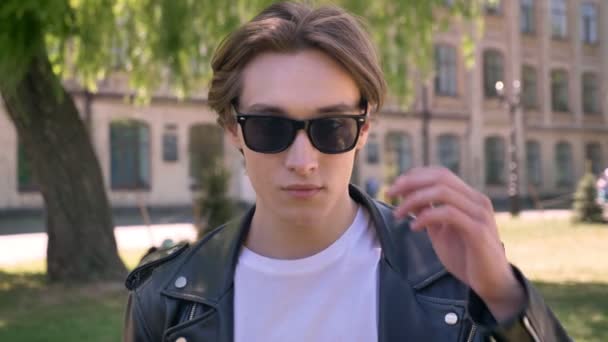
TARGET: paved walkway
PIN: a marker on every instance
(20, 248)
(540, 214)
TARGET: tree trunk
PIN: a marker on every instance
(81, 244)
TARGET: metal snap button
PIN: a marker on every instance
(451, 318)
(180, 283)
(181, 339)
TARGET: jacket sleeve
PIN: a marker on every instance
(534, 322)
(135, 328)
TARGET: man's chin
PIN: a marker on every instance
(303, 215)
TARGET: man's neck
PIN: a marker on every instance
(278, 238)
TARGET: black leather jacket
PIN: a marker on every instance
(186, 294)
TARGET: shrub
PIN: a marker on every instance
(213, 205)
(585, 206)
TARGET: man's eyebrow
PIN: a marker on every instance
(338, 108)
(266, 108)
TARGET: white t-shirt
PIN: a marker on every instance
(330, 296)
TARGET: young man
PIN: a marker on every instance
(316, 259)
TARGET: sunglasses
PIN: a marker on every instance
(330, 134)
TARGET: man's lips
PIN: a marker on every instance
(302, 191)
(302, 187)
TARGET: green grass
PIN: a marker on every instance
(567, 263)
(581, 307)
(554, 250)
(33, 311)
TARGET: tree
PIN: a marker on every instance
(85, 40)
(585, 206)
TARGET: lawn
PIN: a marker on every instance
(567, 263)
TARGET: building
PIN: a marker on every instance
(557, 49)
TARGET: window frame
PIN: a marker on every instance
(494, 65)
(143, 154)
(389, 152)
(372, 150)
(589, 33)
(446, 65)
(558, 88)
(534, 166)
(491, 157)
(590, 106)
(527, 89)
(527, 23)
(201, 135)
(566, 169)
(559, 19)
(452, 142)
(170, 144)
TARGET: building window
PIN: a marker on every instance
(527, 16)
(449, 152)
(25, 175)
(563, 164)
(372, 149)
(493, 71)
(559, 91)
(495, 160)
(129, 155)
(589, 24)
(492, 6)
(533, 162)
(559, 19)
(205, 147)
(593, 154)
(397, 154)
(446, 78)
(170, 144)
(591, 94)
(529, 88)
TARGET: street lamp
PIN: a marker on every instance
(513, 104)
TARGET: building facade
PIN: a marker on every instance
(556, 50)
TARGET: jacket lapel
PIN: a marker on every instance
(209, 269)
(408, 264)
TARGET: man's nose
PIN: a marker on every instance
(302, 157)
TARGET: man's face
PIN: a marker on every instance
(300, 184)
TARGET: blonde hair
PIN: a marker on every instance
(288, 27)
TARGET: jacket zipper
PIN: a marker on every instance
(192, 312)
(472, 333)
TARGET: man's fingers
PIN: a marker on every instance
(439, 194)
(447, 216)
(423, 177)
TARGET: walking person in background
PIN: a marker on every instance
(317, 259)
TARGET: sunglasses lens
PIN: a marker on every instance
(267, 134)
(334, 135)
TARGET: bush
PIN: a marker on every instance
(213, 206)
(585, 206)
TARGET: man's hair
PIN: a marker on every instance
(291, 27)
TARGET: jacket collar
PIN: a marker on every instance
(209, 267)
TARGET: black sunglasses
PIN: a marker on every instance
(330, 134)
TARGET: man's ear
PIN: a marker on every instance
(233, 134)
(363, 134)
